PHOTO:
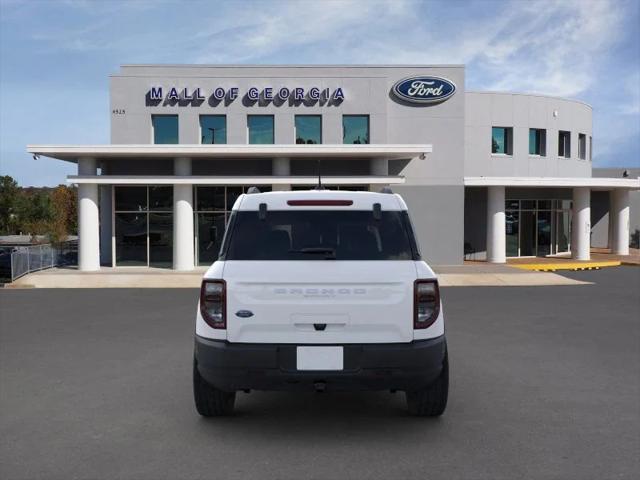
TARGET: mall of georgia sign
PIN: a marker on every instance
(424, 89)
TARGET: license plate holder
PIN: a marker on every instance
(320, 358)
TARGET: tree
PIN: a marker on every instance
(34, 211)
(9, 198)
(37, 210)
(64, 219)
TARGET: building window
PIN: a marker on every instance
(564, 144)
(165, 129)
(260, 129)
(590, 148)
(213, 208)
(144, 226)
(213, 129)
(538, 142)
(308, 129)
(355, 129)
(582, 146)
(502, 140)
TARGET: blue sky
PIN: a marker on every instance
(56, 56)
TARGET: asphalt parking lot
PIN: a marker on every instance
(545, 384)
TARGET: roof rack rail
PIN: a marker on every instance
(251, 190)
(386, 190)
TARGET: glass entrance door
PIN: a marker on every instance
(131, 239)
(528, 232)
(512, 228)
(210, 229)
(543, 237)
(537, 227)
(143, 222)
(213, 208)
(562, 231)
(160, 240)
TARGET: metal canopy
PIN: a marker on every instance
(596, 183)
(72, 153)
(232, 180)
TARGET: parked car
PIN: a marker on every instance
(320, 290)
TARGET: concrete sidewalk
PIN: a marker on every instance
(134, 277)
(489, 275)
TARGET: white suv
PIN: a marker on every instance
(320, 290)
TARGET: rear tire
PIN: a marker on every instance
(432, 400)
(211, 402)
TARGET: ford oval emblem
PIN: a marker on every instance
(424, 89)
(244, 313)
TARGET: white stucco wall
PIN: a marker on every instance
(485, 110)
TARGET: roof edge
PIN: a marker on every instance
(542, 95)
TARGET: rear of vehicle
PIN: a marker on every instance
(320, 290)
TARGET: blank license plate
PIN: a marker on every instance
(320, 358)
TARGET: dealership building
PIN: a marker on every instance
(486, 175)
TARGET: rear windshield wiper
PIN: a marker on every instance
(329, 252)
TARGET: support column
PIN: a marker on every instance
(106, 214)
(581, 224)
(88, 219)
(281, 167)
(496, 231)
(183, 256)
(619, 216)
(380, 166)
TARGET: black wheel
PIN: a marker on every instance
(211, 402)
(432, 400)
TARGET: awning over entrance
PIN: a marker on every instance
(236, 180)
(554, 182)
(72, 153)
(540, 221)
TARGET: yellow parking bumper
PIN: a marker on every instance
(552, 267)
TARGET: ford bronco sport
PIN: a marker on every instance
(320, 290)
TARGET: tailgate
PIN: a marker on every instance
(319, 302)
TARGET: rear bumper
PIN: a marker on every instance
(390, 366)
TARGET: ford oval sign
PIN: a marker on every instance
(424, 89)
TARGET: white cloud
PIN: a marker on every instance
(251, 34)
(631, 89)
(555, 51)
(550, 47)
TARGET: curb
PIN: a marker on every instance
(573, 266)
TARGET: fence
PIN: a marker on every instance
(38, 257)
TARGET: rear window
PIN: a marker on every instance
(319, 235)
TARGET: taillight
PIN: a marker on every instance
(213, 302)
(426, 303)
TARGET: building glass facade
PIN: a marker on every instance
(213, 129)
(502, 140)
(537, 227)
(143, 222)
(165, 129)
(538, 142)
(213, 206)
(308, 129)
(564, 144)
(582, 146)
(261, 129)
(355, 129)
